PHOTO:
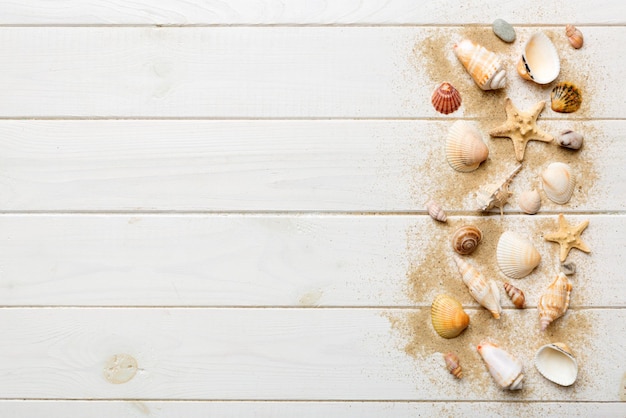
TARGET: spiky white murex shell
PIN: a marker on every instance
(465, 149)
(556, 363)
(505, 369)
(558, 182)
(516, 255)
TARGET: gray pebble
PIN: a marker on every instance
(503, 30)
(568, 268)
(570, 139)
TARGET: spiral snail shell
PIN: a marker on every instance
(466, 239)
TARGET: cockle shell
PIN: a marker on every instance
(529, 201)
(555, 301)
(466, 239)
(540, 60)
(496, 194)
(482, 64)
(558, 182)
(446, 99)
(436, 211)
(516, 255)
(574, 36)
(484, 291)
(565, 98)
(448, 317)
(516, 295)
(453, 365)
(556, 363)
(570, 139)
(505, 369)
(465, 149)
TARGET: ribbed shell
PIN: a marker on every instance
(516, 255)
(554, 303)
(448, 317)
(465, 149)
(453, 365)
(466, 238)
(574, 36)
(565, 98)
(446, 99)
(556, 363)
(505, 369)
(558, 182)
(482, 64)
(516, 295)
(540, 60)
(529, 201)
(484, 291)
(436, 211)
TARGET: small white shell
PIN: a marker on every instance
(529, 201)
(436, 211)
(505, 369)
(540, 60)
(465, 149)
(557, 364)
(516, 255)
(558, 182)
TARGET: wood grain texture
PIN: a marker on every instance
(178, 12)
(304, 72)
(278, 260)
(277, 354)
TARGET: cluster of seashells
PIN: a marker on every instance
(516, 254)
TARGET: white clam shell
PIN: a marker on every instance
(465, 149)
(529, 201)
(558, 182)
(505, 369)
(516, 255)
(556, 363)
(540, 60)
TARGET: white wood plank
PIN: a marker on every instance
(277, 354)
(278, 72)
(304, 12)
(282, 166)
(279, 260)
(191, 409)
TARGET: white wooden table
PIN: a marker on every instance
(232, 194)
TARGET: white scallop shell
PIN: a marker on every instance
(540, 60)
(505, 369)
(529, 201)
(516, 255)
(558, 182)
(557, 364)
(465, 149)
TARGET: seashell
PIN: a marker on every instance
(554, 302)
(570, 139)
(453, 365)
(516, 295)
(516, 255)
(482, 64)
(465, 149)
(540, 60)
(568, 268)
(529, 201)
(484, 291)
(556, 363)
(446, 99)
(466, 239)
(565, 98)
(505, 369)
(496, 194)
(574, 36)
(448, 317)
(558, 182)
(436, 211)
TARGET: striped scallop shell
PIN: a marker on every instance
(465, 149)
(466, 239)
(516, 255)
(448, 317)
(565, 98)
(558, 182)
(484, 291)
(446, 99)
(554, 303)
(482, 64)
(529, 201)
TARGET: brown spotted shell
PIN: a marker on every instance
(453, 365)
(446, 99)
(565, 98)
(574, 36)
(516, 295)
(466, 239)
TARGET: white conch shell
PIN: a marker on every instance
(482, 64)
(558, 182)
(529, 201)
(556, 363)
(465, 149)
(436, 211)
(516, 255)
(554, 303)
(496, 194)
(484, 291)
(505, 369)
(540, 60)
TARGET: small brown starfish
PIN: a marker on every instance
(568, 237)
(521, 127)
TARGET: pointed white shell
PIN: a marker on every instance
(556, 363)
(465, 149)
(540, 59)
(505, 369)
(558, 182)
(529, 201)
(516, 255)
(484, 291)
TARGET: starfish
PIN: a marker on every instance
(568, 237)
(521, 127)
